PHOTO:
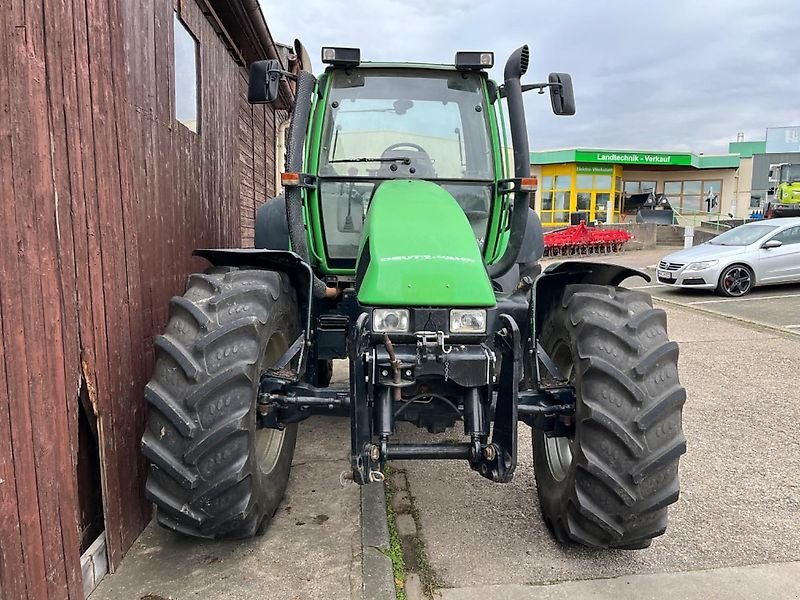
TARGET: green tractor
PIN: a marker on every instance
(784, 197)
(403, 245)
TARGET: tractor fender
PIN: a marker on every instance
(272, 228)
(282, 261)
(549, 286)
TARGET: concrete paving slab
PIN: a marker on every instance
(312, 549)
(764, 582)
(740, 498)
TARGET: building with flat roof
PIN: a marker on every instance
(607, 185)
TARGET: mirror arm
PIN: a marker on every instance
(531, 86)
(539, 86)
(288, 75)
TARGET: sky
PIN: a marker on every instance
(676, 75)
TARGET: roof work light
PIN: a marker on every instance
(474, 61)
(341, 57)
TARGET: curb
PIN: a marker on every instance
(378, 580)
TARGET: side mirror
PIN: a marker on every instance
(772, 244)
(562, 96)
(265, 76)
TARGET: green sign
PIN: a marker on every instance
(633, 158)
(593, 170)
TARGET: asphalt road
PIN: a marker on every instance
(772, 306)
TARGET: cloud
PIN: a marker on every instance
(657, 74)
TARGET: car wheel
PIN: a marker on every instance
(735, 281)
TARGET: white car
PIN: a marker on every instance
(757, 253)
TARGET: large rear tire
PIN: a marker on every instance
(213, 472)
(609, 484)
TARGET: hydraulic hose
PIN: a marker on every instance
(294, 164)
(516, 66)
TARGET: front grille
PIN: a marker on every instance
(669, 266)
(333, 322)
(694, 281)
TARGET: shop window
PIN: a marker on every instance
(584, 182)
(601, 206)
(639, 187)
(186, 69)
(555, 198)
(561, 214)
(672, 188)
(602, 182)
(694, 195)
(712, 196)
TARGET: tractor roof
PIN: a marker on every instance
(400, 65)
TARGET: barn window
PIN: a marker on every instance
(187, 60)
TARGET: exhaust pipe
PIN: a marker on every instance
(516, 66)
(294, 164)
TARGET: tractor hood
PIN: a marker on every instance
(418, 249)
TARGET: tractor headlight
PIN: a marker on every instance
(467, 320)
(390, 320)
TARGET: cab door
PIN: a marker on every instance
(781, 264)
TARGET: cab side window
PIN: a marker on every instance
(789, 236)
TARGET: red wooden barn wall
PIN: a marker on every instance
(102, 198)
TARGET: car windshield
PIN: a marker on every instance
(743, 235)
(393, 123)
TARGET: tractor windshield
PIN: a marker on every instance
(791, 174)
(430, 121)
(397, 124)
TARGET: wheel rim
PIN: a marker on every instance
(559, 456)
(269, 442)
(737, 281)
(558, 450)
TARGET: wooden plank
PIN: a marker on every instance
(33, 177)
(58, 290)
(13, 567)
(111, 270)
(129, 421)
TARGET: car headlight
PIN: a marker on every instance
(467, 320)
(390, 320)
(699, 266)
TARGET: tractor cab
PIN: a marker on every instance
(783, 199)
(386, 122)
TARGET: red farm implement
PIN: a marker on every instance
(580, 239)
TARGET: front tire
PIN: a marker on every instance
(609, 484)
(213, 472)
(735, 281)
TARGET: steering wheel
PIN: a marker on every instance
(400, 145)
(420, 159)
